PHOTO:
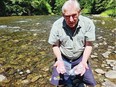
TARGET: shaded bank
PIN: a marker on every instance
(26, 56)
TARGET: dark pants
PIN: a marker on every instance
(73, 81)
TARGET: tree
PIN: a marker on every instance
(58, 6)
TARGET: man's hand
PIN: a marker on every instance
(60, 66)
(81, 68)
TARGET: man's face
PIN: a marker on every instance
(71, 17)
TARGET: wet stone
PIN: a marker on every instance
(106, 54)
(99, 71)
(108, 83)
(34, 78)
(111, 74)
(93, 56)
(28, 71)
(2, 77)
(25, 81)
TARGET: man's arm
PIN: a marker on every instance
(89, 37)
(86, 55)
(57, 52)
(87, 51)
(59, 63)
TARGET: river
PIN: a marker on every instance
(26, 57)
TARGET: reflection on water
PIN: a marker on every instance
(26, 56)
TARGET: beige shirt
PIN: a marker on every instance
(72, 44)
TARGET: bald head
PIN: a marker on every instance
(71, 4)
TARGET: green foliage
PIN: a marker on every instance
(58, 6)
(27, 7)
(110, 12)
(45, 7)
(86, 6)
(97, 6)
(2, 8)
(100, 6)
(86, 11)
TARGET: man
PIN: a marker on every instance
(71, 38)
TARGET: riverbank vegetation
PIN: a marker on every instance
(50, 7)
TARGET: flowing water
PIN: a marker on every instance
(26, 57)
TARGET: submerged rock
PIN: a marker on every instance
(3, 26)
(106, 54)
(34, 78)
(2, 77)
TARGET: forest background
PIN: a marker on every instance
(52, 7)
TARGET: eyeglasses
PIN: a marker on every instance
(68, 16)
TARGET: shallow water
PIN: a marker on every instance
(26, 56)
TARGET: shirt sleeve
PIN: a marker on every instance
(90, 33)
(54, 36)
